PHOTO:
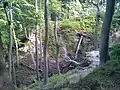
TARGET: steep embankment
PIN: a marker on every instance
(103, 78)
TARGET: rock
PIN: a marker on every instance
(93, 56)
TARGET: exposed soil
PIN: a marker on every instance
(26, 73)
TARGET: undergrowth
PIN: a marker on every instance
(103, 78)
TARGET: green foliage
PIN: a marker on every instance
(3, 29)
(106, 76)
(115, 52)
(23, 17)
(69, 28)
(55, 6)
(56, 78)
(116, 19)
(51, 44)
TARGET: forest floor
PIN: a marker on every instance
(26, 73)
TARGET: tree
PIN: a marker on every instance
(46, 41)
(97, 25)
(9, 19)
(40, 37)
(16, 46)
(57, 44)
(105, 31)
(36, 40)
(5, 82)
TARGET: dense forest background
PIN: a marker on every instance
(59, 44)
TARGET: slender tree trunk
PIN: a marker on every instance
(97, 25)
(46, 41)
(16, 59)
(10, 44)
(26, 33)
(11, 61)
(40, 39)
(16, 46)
(104, 41)
(13, 73)
(36, 53)
(41, 49)
(5, 82)
(96, 29)
(36, 41)
(78, 46)
(57, 46)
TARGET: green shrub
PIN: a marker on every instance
(115, 52)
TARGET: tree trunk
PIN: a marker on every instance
(41, 49)
(36, 52)
(46, 41)
(16, 46)
(10, 44)
(13, 73)
(26, 32)
(104, 41)
(11, 61)
(36, 41)
(40, 39)
(97, 24)
(78, 46)
(96, 29)
(5, 82)
(57, 46)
